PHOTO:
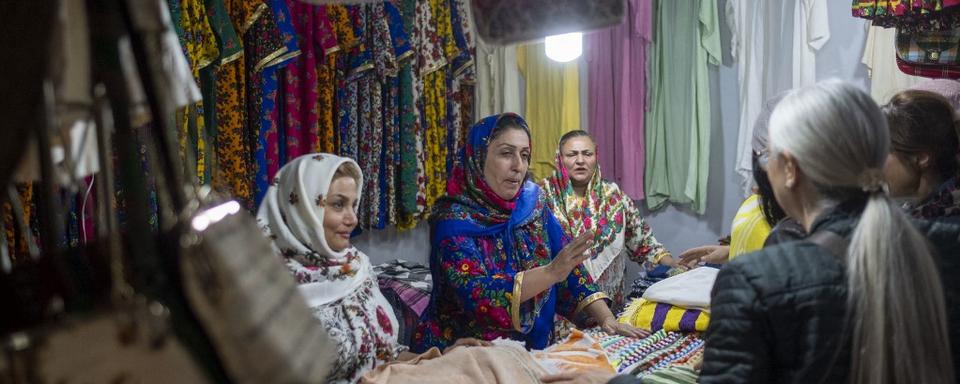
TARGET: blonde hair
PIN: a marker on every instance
(347, 169)
(840, 140)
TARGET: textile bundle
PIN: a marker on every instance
(646, 314)
(653, 353)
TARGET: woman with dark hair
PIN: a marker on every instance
(923, 169)
(501, 264)
(760, 220)
(583, 202)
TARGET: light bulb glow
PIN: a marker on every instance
(564, 48)
(203, 220)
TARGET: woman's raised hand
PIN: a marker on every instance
(571, 256)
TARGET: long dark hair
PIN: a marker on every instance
(772, 212)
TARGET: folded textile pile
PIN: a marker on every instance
(653, 316)
(502, 363)
(406, 285)
(677, 303)
(672, 375)
(659, 350)
(690, 289)
(578, 353)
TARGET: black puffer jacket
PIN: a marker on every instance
(778, 315)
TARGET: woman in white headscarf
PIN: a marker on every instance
(309, 212)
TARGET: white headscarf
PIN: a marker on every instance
(291, 214)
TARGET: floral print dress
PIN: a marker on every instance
(364, 328)
(944, 202)
(233, 149)
(622, 234)
(481, 247)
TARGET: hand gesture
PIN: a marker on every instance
(611, 326)
(571, 256)
(714, 254)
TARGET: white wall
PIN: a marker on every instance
(677, 227)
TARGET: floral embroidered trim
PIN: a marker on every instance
(515, 301)
(282, 58)
(270, 58)
(253, 17)
(231, 58)
(331, 50)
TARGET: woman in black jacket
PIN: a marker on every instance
(860, 300)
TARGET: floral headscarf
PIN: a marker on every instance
(468, 173)
(339, 286)
(600, 211)
(291, 214)
(471, 207)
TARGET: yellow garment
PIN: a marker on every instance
(750, 228)
(642, 313)
(552, 104)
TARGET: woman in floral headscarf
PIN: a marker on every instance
(501, 265)
(585, 203)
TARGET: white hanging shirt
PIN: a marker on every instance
(811, 30)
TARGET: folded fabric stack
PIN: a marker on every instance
(644, 356)
(678, 303)
(577, 353)
(406, 285)
(645, 314)
(502, 363)
(672, 375)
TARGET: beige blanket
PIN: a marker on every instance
(464, 365)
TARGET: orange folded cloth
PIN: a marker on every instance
(577, 353)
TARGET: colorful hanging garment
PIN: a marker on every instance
(346, 98)
(201, 49)
(678, 122)
(391, 47)
(394, 99)
(552, 103)
(234, 152)
(412, 175)
(326, 40)
(17, 245)
(230, 49)
(618, 97)
(300, 85)
(458, 57)
(275, 73)
(370, 116)
(433, 101)
(269, 43)
(910, 16)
